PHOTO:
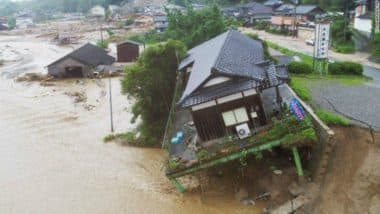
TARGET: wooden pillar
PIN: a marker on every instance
(297, 161)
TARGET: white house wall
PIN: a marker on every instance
(363, 25)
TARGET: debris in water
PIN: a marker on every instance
(78, 96)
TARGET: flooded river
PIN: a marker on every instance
(53, 160)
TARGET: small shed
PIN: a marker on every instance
(80, 63)
(127, 51)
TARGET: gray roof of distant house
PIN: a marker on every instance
(89, 54)
(285, 7)
(257, 8)
(273, 2)
(160, 18)
(305, 9)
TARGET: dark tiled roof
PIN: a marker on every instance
(273, 2)
(90, 55)
(257, 8)
(230, 53)
(213, 92)
(305, 9)
(285, 7)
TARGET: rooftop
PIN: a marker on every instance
(89, 54)
(230, 54)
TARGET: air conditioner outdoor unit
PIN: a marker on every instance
(243, 131)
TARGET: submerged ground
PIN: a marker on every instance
(53, 160)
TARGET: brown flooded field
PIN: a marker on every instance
(53, 160)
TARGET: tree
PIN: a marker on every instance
(196, 26)
(151, 81)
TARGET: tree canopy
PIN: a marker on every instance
(151, 81)
(196, 26)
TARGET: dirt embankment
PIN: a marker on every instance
(352, 184)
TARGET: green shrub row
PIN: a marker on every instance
(348, 68)
(299, 68)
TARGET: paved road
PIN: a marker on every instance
(296, 44)
(361, 102)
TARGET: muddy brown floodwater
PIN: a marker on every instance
(53, 160)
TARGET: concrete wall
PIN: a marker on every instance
(322, 150)
(364, 26)
(58, 69)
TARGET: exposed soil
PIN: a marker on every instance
(352, 184)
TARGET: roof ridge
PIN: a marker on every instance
(228, 37)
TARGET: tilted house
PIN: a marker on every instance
(224, 79)
(80, 63)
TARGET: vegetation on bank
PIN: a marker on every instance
(288, 130)
(300, 88)
(151, 82)
(342, 40)
(375, 52)
(332, 119)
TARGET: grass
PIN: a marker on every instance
(348, 80)
(333, 119)
(304, 57)
(300, 87)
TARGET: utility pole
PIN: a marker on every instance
(295, 19)
(110, 95)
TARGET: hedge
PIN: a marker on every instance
(349, 68)
(299, 68)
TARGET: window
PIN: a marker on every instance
(235, 116)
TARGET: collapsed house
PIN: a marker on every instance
(230, 96)
(82, 62)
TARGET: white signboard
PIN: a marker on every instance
(322, 40)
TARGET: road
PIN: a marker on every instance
(359, 102)
(299, 45)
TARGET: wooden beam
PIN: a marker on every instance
(225, 159)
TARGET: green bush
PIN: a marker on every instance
(332, 119)
(130, 21)
(348, 68)
(261, 25)
(376, 46)
(299, 68)
(345, 47)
